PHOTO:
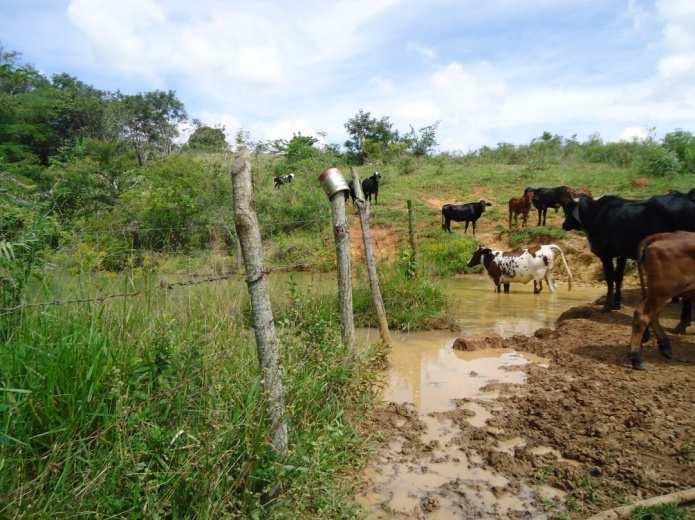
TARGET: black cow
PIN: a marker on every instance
(544, 198)
(370, 186)
(283, 179)
(468, 213)
(615, 227)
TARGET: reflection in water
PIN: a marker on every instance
(478, 308)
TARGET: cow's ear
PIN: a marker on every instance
(488, 203)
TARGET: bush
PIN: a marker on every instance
(447, 255)
(543, 234)
(657, 161)
(411, 303)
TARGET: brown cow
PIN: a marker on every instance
(581, 192)
(520, 206)
(667, 261)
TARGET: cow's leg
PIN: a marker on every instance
(376, 197)
(619, 274)
(545, 215)
(539, 216)
(506, 288)
(447, 224)
(661, 338)
(474, 228)
(550, 281)
(609, 274)
(537, 287)
(498, 288)
(686, 316)
(465, 229)
(640, 322)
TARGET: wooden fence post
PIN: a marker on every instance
(411, 228)
(363, 208)
(239, 256)
(249, 235)
(335, 186)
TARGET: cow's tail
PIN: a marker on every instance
(641, 257)
(567, 267)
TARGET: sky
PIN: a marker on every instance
(489, 72)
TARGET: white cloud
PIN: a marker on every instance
(425, 52)
(634, 133)
(276, 69)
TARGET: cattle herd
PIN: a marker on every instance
(658, 233)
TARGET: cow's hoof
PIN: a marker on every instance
(680, 329)
(665, 349)
(607, 308)
(636, 361)
(615, 306)
(647, 334)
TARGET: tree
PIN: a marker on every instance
(148, 121)
(423, 141)
(368, 134)
(208, 139)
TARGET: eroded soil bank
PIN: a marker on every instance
(571, 430)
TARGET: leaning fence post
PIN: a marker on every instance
(411, 229)
(335, 186)
(246, 223)
(239, 257)
(363, 207)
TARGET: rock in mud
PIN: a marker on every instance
(429, 504)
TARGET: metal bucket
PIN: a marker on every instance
(333, 181)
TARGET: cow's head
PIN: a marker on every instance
(479, 256)
(484, 203)
(572, 215)
(291, 176)
(377, 175)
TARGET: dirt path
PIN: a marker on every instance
(584, 433)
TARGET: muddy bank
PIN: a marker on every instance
(571, 433)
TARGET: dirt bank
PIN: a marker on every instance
(584, 433)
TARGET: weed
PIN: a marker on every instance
(662, 512)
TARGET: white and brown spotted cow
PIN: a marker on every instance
(535, 263)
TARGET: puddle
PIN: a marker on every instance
(424, 472)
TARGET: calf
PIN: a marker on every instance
(468, 213)
(520, 206)
(535, 263)
(370, 186)
(283, 179)
(544, 198)
(667, 262)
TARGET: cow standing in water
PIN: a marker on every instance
(544, 198)
(468, 213)
(535, 263)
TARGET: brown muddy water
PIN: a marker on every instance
(425, 469)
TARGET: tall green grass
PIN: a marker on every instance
(152, 407)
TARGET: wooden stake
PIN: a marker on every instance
(363, 208)
(342, 252)
(247, 229)
(411, 228)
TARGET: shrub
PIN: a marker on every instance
(411, 303)
(657, 161)
(447, 255)
(531, 235)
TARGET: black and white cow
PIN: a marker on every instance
(535, 263)
(283, 179)
(468, 213)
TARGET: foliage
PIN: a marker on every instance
(682, 144)
(447, 255)
(411, 303)
(154, 406)
(208, 139)
(661, 512)
(368, 135)
(656, 160)
(537, 234)
(424, 141)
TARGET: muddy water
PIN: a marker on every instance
(428, 472)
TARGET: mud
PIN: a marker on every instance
(574, 432)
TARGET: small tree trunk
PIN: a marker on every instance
(249, 234)
(363, 207)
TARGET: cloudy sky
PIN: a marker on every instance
(499, 70)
